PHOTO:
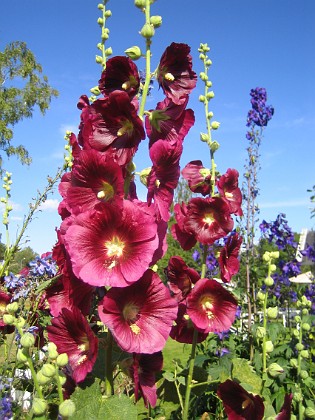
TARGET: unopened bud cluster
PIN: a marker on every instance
(105, 52)
(68, 158)
(7, 182)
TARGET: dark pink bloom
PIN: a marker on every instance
(112, 125)
(169, 122)
(285, 412)
(186, 239)
(208, 219)
(121, 73)
(198, 177)
(228, 260)
(211, 307)
(240, 404)
(94, 178)
(180, 277)
(143, 370)
(228, 188)
(112, 246)
(72, 334)
(139, 316)
(175, 74)
(183, 328)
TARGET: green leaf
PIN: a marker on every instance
(244, 373)
(169, 376)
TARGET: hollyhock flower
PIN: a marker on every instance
(121, 73)
(72, 334)
(211, 307)
(139, 316)
(175, 74)
(180, 277)
(111, 125)
(228, 188)
(169, 122)
(94, 178)
(285, 412)
(143, 370)
(208, 219)
(112, 246)
(198, 177)
(228, 259)
(240, 404)
(163, 177)
(186, 239)
(183, 329)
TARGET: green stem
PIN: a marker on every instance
(190, 375)
(265, 336)
(109, 384)
(59, 386)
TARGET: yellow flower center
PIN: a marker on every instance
(135, 329)
(169, 77)
(2, 307)
(228, 195)
(132, 82)
(106, 193)
(208, 218)
(207, 306)
(126, 128)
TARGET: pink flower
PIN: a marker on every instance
(183, 328)
(72, 334)
(228, 259)
(139, 316)
(186, 239)
(198, 177)
(180, 277)
(112, 246)
(211, 307)
(228, 188)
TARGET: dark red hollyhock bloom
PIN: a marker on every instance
(186, 239)
(164, 175)
(112, 246)
(183, 328)
(180, 277)
(208, 219)
(94, 178)
(5, 299)
(240, 404)
(72, 334)
(111, 125)
(198, 177)
(228, 188)
(285, 412)
(169, 122)
(139, 316)
(121, 73)
(175, 74)
(143, 370)
(211, 307)
(228, 258)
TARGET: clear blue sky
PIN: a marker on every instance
(263, 43)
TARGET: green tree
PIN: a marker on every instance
(21, 259)
(23, 88)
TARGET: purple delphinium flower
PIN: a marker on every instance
(6, 408)
(260, 114)
(309, 252)
(11, 281)
(43, 265)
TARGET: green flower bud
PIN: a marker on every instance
(201, 98)
(140, 4)
(147, 31)
(305, 311)
(294, 363)
(202, 56)
(208, 63)
(299, 346)
(269, 346)
(108, 51)
(42, 379)
(27, 340)
(12, 307)
(156, 21)
(108, 13)
(260, 332)
(21, 356)
(273, 267)
(269, 281)
(8, 319)
(67, 408)
(304, 374)
(52, 350)
(48, 370)
(144, 175)
(62, 378)
(203, 76)
(95, 90)
(39, 406)
(214, 146)
(208, 83)
(261, 296)
(305, 354)
(62, 360)
(100, 21)
(272, 313)
(296, 333)
(274, 254)
(266, 256)
(98, 59)
(215, 125)
(204, 137)
(20, 322)
(297, 397)
(134, 53)
(306, 326)
(310, 412)
(275, 370)
(100, 46)
(297, 318)
(100, 6)
(210, 115)
(210, 95)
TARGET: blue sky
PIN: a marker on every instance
(263, 43)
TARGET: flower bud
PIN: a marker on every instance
(67, 408)
(266, 256)
(261, 332)
(297, 397)
(261, 296)
(204, 137)
(42, 379)
(134, 53)
(272, 312)
(27, 340)
(305, 311)
(12, 307)
(140, 4)
(297, 318)
(274, 254)
(8, 319)
(208, 83)
(269, 346)
(202, 56)
(305, 354)
(299, 346)
(100, 6)
(52, 350)
(108, 13)
(48, 370)
(208, 62)
(98, 59)
(95, 90)
(269, 281)
(156, 21)
(147, 31)
(310, 412)
(296, 333)
(100, 21)
(201, 98)
(306, 326)
(20, 322)
(210, 95)
(214, 146)
(273, 268)
(62, 378)
(62, 360)
(304, 374)
(275, 370)
(39, 406)
(203, 76)
(108, 51)
(294, 363)
(144, 175)
(215, 125)
(21, 356)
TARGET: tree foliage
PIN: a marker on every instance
(23, 88)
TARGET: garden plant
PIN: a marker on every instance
(101, 327)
